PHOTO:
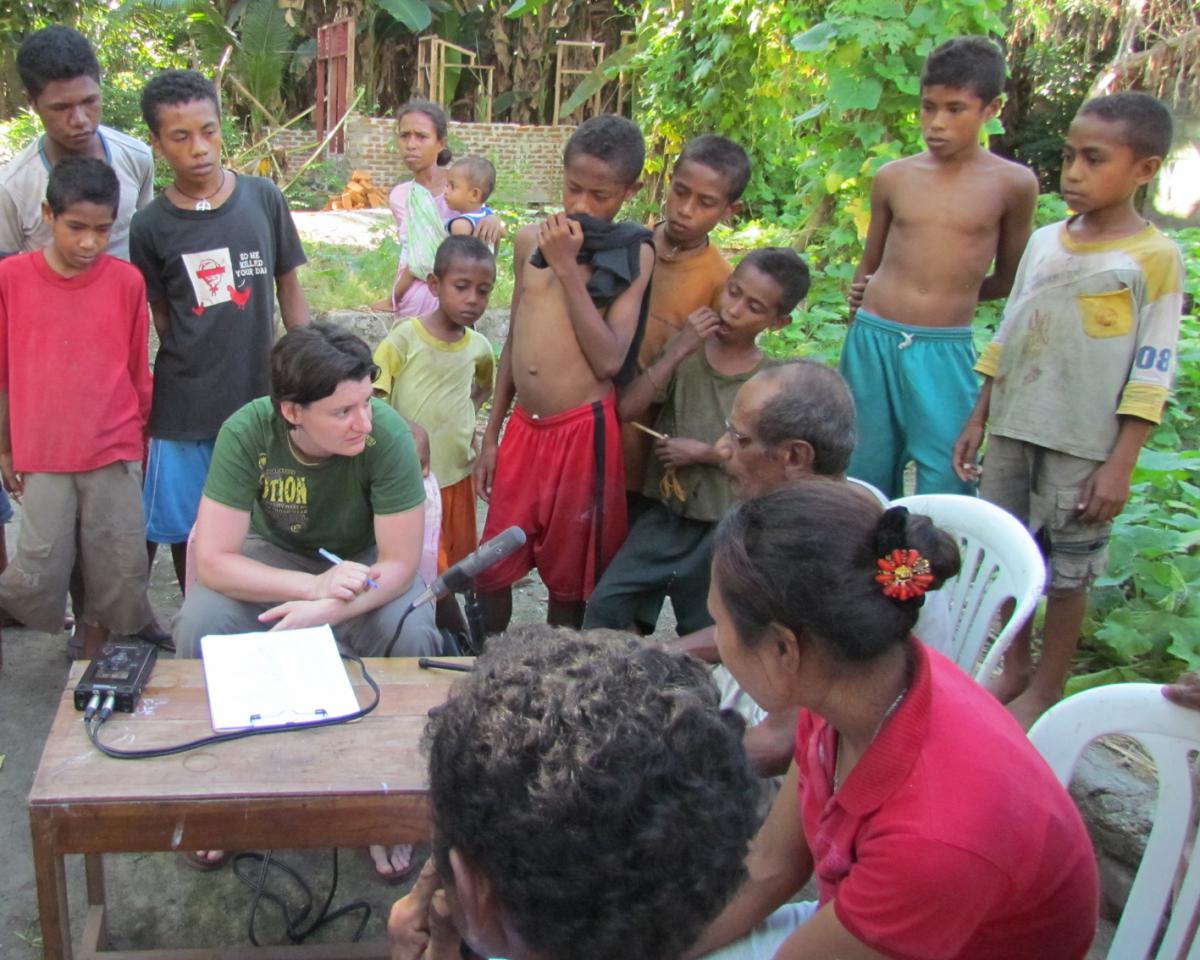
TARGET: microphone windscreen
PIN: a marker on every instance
(459, 576)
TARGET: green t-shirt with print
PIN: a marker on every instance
(302, 507)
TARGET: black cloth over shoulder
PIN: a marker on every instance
(613, 251)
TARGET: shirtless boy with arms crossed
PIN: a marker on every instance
(938, 220)
(577, 305)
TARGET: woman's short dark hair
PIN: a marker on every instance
(435, 114)
(805, 558)
(308, 364)
(593, 780)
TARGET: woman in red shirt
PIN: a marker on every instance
(931, 825)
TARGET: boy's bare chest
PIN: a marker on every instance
(970, 205)
(542, 331)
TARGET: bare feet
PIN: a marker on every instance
(203, 859)
(1032, 704)
(87, 641)
(393, 863)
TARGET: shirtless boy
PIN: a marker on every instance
(938, 221)
(559, 474)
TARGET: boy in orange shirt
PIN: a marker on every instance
(689, 271)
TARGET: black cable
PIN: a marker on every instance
(399, 627)
(295, 932)
(93, 727)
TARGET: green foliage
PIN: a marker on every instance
(341, 277)
(821, 93)
(605, 72)
(312, 190)
(414, 14)
(263, 54)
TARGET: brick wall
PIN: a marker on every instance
(528, 159)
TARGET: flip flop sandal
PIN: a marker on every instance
(400, 875)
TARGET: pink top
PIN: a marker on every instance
(417, 299)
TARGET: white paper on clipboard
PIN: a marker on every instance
(274, 679)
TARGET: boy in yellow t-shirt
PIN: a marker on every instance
(437, 371)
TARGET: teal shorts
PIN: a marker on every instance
(913, 389)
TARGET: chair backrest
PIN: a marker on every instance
(1170, 734)
(1000, 561)
(871, 489)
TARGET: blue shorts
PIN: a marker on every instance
(913, 388)
(175, 475)
(6, 510)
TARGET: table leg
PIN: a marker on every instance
(93, 866)
(51, 878)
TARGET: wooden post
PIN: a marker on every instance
(335, 76)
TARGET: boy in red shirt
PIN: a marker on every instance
(74, 317)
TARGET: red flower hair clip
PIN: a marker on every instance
(905, 574)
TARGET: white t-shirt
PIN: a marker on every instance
(23, 188)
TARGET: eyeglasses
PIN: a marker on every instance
(741, 439)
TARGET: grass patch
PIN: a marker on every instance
(346, 277)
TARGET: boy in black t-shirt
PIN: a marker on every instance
(215, 248)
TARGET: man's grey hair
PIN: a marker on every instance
(814, 405)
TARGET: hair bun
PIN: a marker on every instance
(892, 531)
(914, 555)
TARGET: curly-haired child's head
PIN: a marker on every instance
(593, 782)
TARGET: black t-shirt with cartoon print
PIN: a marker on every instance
(217, 270)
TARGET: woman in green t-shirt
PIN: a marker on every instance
(318, 465)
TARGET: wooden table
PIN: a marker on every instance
(342, 786)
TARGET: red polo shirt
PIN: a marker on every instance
(950, 838)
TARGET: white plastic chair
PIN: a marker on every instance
(1000, 561)
(871, 489)
(1170, 735)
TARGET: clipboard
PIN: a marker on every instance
(284, 678)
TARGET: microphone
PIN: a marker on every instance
(460, 576)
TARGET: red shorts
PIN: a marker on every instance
(561, 479)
